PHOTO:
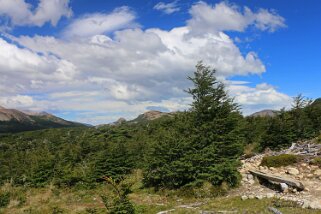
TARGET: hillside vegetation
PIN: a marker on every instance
(183, 153)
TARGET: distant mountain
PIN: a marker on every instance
(265, 113)
(316, 103)
(142, 118)
(12, 120)
(150, 115)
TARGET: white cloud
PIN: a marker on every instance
(19, 12)
(168, 8)
(17, 101)
(263, 96)
(116, 69)
(23, 70)
(269, 20)
(100, 23)
(228, 17)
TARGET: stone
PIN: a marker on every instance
(313, 167)
(251, 182)
(250, 177)
(315, 205)
(270, 195)
(304, 164)
(306, 204)
(293, 171)
(272, 169)
(260, 197)
(251, 196)
(317, 172)
(284, 187)
(244, 197)
(309, 176)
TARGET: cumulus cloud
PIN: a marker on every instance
(19, 12)
(228, 17)
(168, 8)
(100, 23)
(118, 68)
(263, 96)
(17, 101)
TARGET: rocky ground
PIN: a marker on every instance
(305, 172)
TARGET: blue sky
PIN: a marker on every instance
(95, 61)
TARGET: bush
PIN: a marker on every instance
(4, 199)
(316, 161)
(119, 203)
(280, 160)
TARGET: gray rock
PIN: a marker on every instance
(284, 187)
(244, 197)
(270, 195)
(260, 197)
(251, 196)
(315, 205)
(293, 171)
(251, 182)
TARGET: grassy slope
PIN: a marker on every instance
(54, 200)
(48, 200)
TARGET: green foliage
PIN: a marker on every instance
(201, 145)
(301, 122)
(119, 203)
(280, 160)
(4, 199)
(316, 161)
(113, 162)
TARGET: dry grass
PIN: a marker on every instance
(82, 201)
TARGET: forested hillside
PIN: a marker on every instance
(184, 151)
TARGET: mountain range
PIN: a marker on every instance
(13, 120)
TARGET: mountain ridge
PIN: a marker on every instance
(13, 120)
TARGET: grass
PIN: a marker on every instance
(44, 200)
(280, 160)
(83, 201)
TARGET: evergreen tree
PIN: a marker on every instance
(203, 144)
(217, 129)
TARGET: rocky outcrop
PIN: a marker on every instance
(150, 115)
(264, 113)
(304, 172)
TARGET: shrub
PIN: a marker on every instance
(119, 203)
(280, 160)
(4, 199)
(316, 161)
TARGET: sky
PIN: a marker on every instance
(94, 61)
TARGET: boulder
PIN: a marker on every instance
(293, 171)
